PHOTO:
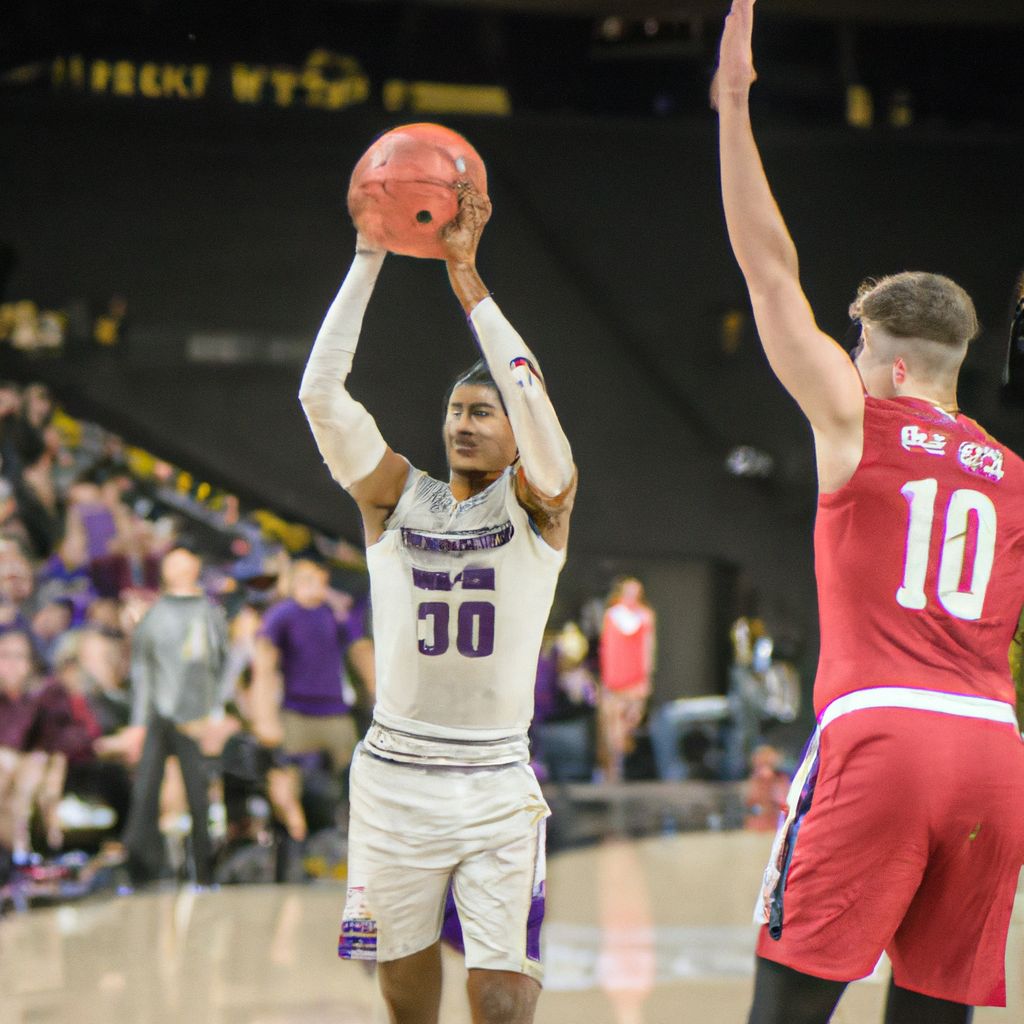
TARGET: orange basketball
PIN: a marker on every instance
(402, 192)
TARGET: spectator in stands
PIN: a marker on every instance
(40, 505)
(41, 730)
(49, 624)
(178, 654)
(299, 664)
(92, 666)
(132, 561)
(37, 407)
(10, 410)
(565, 697)
(101, 659)
(15, 586)
(627, 662)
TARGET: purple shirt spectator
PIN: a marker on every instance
(100, 529)
(311, 645)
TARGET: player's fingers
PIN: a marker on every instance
(477, 208)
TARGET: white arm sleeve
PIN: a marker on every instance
(345, 432)
(543, 448)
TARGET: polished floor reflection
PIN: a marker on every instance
(653, 931)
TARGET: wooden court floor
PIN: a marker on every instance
(653, 931)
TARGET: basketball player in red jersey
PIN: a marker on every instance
(906, 820)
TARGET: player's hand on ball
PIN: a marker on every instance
(462, 236)
(735, 60)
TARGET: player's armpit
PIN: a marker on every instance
(549, 515)
(378, 493)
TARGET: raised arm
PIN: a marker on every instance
(346, 434)
(544, 452)
(810, 365)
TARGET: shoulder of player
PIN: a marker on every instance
(549, 517)
(978, 444)
(988, 438)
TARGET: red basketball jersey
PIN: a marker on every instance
(920, 558)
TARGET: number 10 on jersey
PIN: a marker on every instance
(962, 604)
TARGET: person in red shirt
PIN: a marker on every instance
(627, 661)
(905, 830)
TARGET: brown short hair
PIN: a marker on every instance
(918, 305)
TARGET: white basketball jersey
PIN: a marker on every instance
(461, 595)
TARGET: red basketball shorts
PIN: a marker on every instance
(912, 844)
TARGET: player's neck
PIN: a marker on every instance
(465, 485)
(943, 398)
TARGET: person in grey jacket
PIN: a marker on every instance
(178, 687)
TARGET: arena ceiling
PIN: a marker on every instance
(935, 12)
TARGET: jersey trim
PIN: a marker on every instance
(465, 752)
(476, 540)
(959, 704)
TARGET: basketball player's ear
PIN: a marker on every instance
(899, 373)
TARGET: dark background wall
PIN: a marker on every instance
(607, 250)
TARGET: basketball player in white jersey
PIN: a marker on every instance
(462, 577)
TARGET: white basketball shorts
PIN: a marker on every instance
(413, 830)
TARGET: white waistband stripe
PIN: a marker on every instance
(922, 700)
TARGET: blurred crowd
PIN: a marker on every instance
(179, 681)
(183, 681)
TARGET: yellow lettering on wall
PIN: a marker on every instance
(76, 71)
(445, 98)
(316, 87)
(332, 81)
(247, 83)
(284, 82)
(174, 81)
(354, 89)
(395, 94)
(58, 72)
(149, 81)
(200, 76)
(100, 78)
(124, 78)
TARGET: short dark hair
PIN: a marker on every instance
(478, 375)
(918, 305)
